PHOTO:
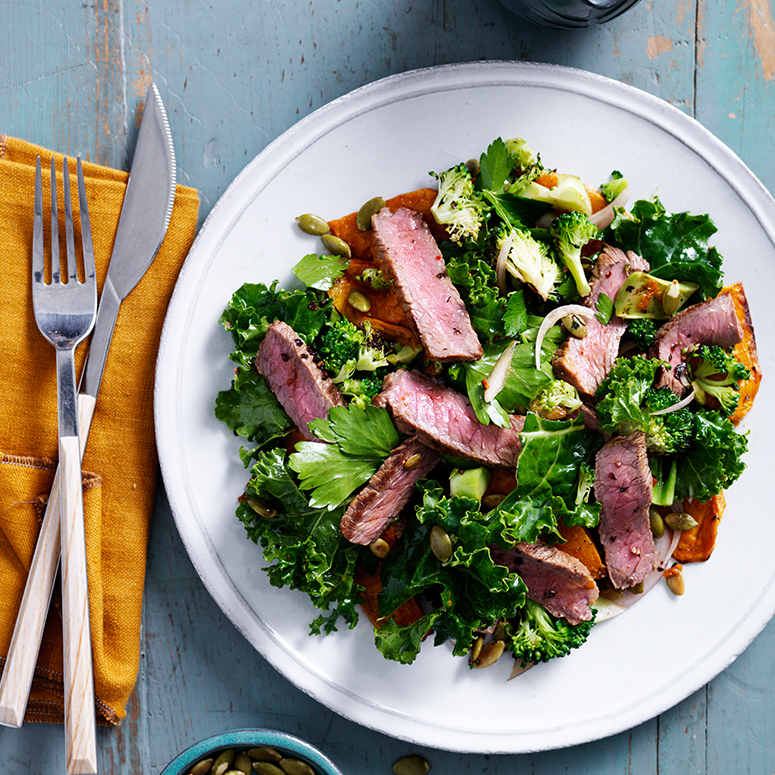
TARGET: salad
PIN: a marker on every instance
(493, 412)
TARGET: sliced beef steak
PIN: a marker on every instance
(710, 322)
(303, 389)
(387, 492)
(408, 254)
(559, 582)
(584, 363)
(443, 419)
(623, 487)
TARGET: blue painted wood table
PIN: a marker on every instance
(236, 74)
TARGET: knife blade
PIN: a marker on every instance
(145, 215)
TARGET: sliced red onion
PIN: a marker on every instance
(500, 264)
(553, 317)
(665, 546)
(675, 407)
(500, 371)
(546, 219)
(603, 217)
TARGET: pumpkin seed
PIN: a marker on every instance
(474, 167)
(637, 589)
(267, 768)
(372, 207)
(441, 543)
(412, 462)
(359, 300)
(501, 631)
(262, 508)
(493, 499)
(675, 581)
(234, 772)
(200, 768)
(336, 245)
(380, 548)
(223, 761)
(243, 763)
(476, 649)
(680, 520)
(491, 652)
(657, 523)
(576, 325)
(671, 297)
(312, 224)
(296, 767)
(265, 754)
(411, 765)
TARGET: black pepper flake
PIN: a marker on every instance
(285, 357)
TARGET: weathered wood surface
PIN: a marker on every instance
(235, 75)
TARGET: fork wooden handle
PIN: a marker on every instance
(28, 632)
(80, 730)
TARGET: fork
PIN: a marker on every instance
(65, 310)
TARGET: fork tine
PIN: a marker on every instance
(71, 270)
(38, 251)
(89, 269)
(55, 265)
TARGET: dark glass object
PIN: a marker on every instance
(569, 14)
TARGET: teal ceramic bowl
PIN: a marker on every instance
(243, 739)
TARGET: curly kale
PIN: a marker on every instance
(538, 636)
(628, 400)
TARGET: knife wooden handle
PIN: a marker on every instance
(30, 622)
(28, 632)
(80, 724)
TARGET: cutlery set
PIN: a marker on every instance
(66, 311)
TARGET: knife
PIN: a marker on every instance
(145, 216)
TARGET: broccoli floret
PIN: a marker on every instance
(361, 390)
(669, 433)
(539, 637)
(642, 331)
(356, 357)
(556, 401)
(338, 345)
(375, 278)
(716, 374)
(458, 206)
(571, 231)
(585, 484)
(614, 187)
(529, 260)
(522, 154)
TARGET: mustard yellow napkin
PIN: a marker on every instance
(120, 465)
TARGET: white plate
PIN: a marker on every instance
(383, 139)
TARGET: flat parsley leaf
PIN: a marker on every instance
(358, 441)
(495, 166)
